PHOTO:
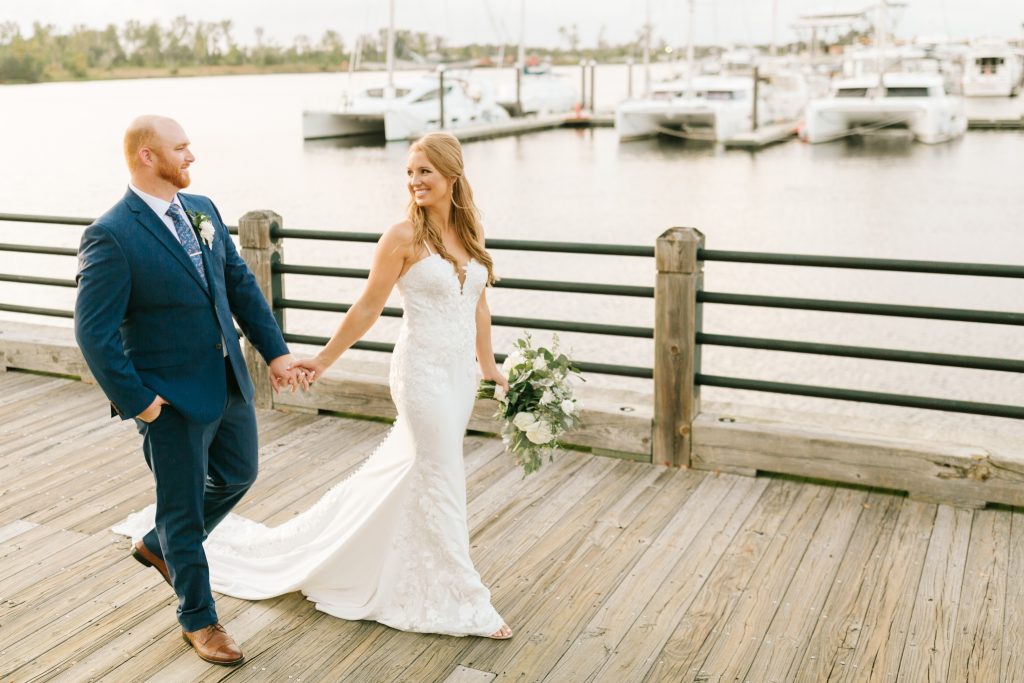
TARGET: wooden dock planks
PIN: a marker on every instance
(607, 570)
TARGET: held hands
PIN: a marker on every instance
(312, 368)
(282, 374)
(153, 411)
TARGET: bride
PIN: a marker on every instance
(391, 543)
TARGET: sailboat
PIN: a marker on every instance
(713, 107)
(537, 90)
(407, 111)
(993, 69)
(906, 90)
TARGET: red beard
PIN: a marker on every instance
(175, 175)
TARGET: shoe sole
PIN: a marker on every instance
(236, 662)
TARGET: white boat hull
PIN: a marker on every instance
(636, 120)
(714, 108)
(540, 94)
(410, 123)
(930, 120)
(990, 87)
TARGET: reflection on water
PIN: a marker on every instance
(877, 196)
(366, 140)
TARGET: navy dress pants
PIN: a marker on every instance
(201, 472)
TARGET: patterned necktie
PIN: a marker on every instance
(188, 240)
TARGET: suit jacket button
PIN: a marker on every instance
(218, 346)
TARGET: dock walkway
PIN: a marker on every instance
(608, 570)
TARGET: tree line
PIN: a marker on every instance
(152, 48)
(82, 52)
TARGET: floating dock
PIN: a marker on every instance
(763, 136)
(516, 126)
(1005, 123)
(531, 124)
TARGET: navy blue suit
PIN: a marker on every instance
(147, 325)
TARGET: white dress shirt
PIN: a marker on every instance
(160, 207)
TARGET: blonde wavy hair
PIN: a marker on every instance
(445, 154)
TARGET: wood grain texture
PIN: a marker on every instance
(607, 570)
(931, 471)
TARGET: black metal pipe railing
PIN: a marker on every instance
(707, 297)
(868, 353)
(55, 220)
(33, 280)
(502, 244)
(29, 249)
(64, 220)
(499, 320)
(36, 310)
(505, 283)
(900, 265)
(927, 312)
(990, 409)
(585, 366)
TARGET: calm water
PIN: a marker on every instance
(883, 197)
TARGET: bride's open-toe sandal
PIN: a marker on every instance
(503, 633)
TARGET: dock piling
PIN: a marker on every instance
(260, 251)
(677, 320)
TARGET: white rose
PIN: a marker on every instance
(538, 363)
(507, 365)
(539, 433)
(568, 407)
(524, 420)
(206, 232)
(499, 392)
(547, 397)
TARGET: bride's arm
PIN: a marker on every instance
(484, 348)
(393, 249)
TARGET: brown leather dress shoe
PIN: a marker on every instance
(213, 644)
(144, 555)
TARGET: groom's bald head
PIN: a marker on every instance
(156, 149)
(146, 132)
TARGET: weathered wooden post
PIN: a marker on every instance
(261, 250)
(677, 319)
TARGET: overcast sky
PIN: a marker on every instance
(464, 21)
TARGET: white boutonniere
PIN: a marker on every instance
(203, 226)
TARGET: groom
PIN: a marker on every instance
(159, 280)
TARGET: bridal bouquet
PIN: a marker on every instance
(539, 406)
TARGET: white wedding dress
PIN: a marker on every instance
(391, 542)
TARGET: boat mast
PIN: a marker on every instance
(775, 21)
(647, 51)
(689, 51)
(881, 31)
(521, 55)
(521, 58)
(391, 45)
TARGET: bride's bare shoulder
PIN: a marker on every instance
(398, 238)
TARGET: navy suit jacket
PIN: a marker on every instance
(148, 325)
